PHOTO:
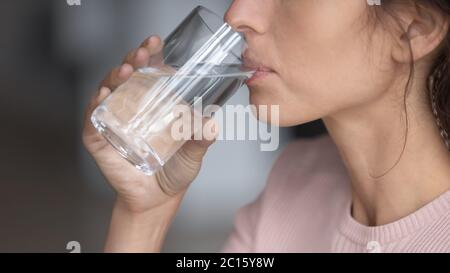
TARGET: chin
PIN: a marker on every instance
(262, 96)
(264, 112)
(286, 117)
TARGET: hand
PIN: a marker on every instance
(136, 191)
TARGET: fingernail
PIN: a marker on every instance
(102, 93)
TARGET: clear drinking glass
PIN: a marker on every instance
(200, 63)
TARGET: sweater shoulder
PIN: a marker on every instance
(307, 191)
(308, 165)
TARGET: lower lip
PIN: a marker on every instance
(257, 76)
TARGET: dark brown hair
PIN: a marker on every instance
(439, 79)
(439, 76)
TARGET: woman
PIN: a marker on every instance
(377, 75)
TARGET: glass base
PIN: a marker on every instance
(130, 147)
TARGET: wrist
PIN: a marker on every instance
(139, 230)
(140, 205)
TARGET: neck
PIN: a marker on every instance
(389, 182)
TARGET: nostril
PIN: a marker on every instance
(243, 29)
(245, 16)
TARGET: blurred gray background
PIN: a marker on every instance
(52, 58)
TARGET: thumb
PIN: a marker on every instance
(196, 149)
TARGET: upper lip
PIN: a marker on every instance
(251, 63)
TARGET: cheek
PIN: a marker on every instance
(324, 88)
(322, 77)
(323, 68)
(324, 82)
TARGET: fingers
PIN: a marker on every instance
(147, 53)
(135, 59)
(140, 57)
(153, 44)
(117, 76)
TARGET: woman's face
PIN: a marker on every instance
(316, 57)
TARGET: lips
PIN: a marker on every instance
(261, 70)
(255, 65)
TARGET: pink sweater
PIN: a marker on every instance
(305, 207)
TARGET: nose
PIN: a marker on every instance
(248, 16)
